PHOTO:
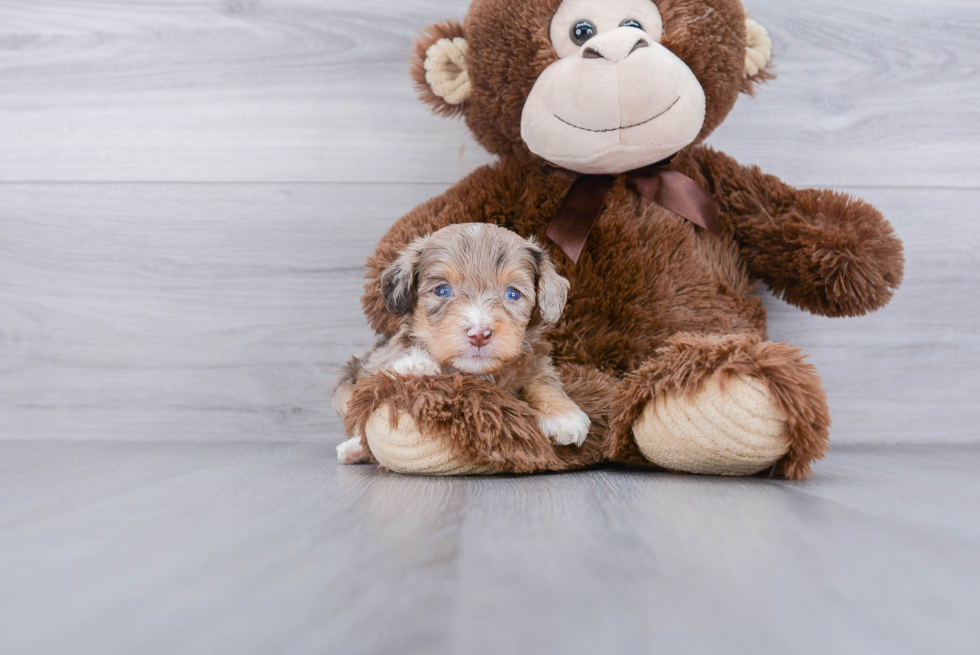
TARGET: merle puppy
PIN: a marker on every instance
(476, 299)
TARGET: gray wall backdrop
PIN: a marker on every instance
(188, 192)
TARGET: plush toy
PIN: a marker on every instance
(597, 111)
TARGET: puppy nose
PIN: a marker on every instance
(614, 46)
(479, 336)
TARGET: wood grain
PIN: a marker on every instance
(875, 92)
(220, 313)
(182, 312)
(258, 548)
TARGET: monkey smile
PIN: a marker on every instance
(625, 127)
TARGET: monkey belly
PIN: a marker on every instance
(645, 275)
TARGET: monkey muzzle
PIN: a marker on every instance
(621, 102)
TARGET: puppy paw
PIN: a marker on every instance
(415, 365)
(565, 429)
(350, 452)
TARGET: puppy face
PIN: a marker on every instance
(471, 291)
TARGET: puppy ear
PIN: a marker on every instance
(552, 288)
(439, 68)
(398, 281)
(758, 54)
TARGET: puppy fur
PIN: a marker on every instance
(474, 299)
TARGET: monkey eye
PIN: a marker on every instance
(582, 31)
(444, 291)
(512, 294)
(629, 22)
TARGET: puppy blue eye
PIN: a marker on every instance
(512, 294)
(444, 291)
(631, 23)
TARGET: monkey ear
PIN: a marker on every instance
(758, 54)
(398, 281)
(552, 288)
(439, 68)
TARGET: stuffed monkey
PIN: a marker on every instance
(597, 111)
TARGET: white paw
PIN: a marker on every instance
(415, 365)
(350, 452)
(565, 429)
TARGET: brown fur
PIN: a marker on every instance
(686, 361)
(478, 421)
(447, 29)
(656, 304)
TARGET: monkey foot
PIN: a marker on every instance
(730, 426)
(404, 449)
(451, 425)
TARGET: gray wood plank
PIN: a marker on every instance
(183, 312)
(210, 560)
(936, 488)
(870, 92)
(64, 476)
(279, 549)
(220, 313)
(875, 92)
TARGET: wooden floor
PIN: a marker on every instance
(271, 548)
(188, 191)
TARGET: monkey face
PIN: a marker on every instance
(616, 99)
(596, 86)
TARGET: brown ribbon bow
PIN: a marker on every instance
(671, 190)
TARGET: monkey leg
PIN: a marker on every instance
(458, 425)
(723, 405)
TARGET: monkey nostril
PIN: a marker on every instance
(640, 44)
(592, 53)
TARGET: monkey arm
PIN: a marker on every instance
(820, 250)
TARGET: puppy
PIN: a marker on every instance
(476, 300)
